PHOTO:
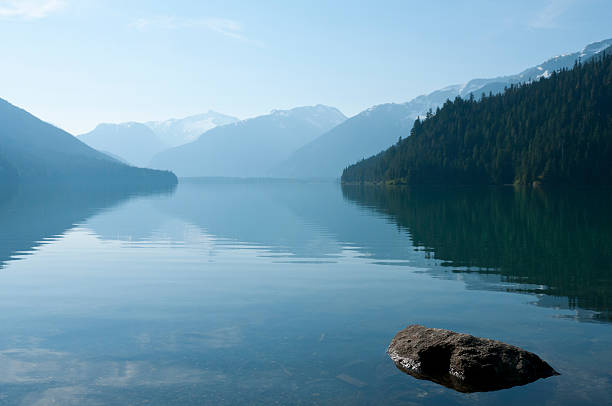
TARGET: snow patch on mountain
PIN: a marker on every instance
(175, 132)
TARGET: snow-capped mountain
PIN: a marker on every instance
(379, 127)
(476, 86)
(133, 143)
(250, 148)
(34, 151)
(175, 132)
(421, 104)
(137, 143)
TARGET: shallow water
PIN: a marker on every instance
(289, 292)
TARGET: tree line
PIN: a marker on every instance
(556, 130)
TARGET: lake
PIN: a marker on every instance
(278, 292)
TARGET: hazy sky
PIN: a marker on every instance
(76, 63)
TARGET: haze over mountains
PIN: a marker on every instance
(175, 132)
(553, 131)
(32, 150)
(250, 148)
(137, 143)
(325, 157)
(379, 127)
(304, 142)
(134, 143)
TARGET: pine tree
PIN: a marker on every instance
(556, 130)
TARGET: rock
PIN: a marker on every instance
(464, 362)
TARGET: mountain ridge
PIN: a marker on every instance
(554, 131)
(131, 141)
(138, 142)
(328, 155)
(251, 147)
(179, 131)
(32, 150)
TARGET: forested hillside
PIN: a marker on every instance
(8, 175)
(32, 151)
(379, 127)
(555, 130)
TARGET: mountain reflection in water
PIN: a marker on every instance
(32, 215)
(552, 243)
(264, 292)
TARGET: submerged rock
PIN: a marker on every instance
(464, 362)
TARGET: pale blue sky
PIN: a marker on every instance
(76, 63)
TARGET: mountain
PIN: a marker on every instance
(32, 213)
(8, 175)
(137, 143)
(175, 132)
(367, 134)
(250, 148)
(325, 157)
(133, 142)
(32, 150)
(556, 131)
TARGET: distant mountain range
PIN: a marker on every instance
(137, 143)
(175, 132)
(325, 157)
(250, 148)
(134, 143)
(308, 142)
(32, 150)
(556, 130)
(379, 127)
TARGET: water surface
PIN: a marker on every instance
(289, 292)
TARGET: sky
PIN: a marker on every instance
(76, 63)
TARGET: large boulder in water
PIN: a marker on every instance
(464, 362)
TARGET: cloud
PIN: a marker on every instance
(229, 28)
(547, 18)
(29, 9)
(226, 27)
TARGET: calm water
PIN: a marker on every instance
(289, 293)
